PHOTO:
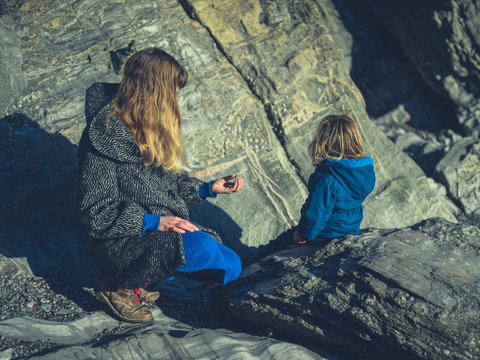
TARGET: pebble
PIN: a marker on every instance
(33, 297)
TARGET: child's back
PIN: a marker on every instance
(340, 183)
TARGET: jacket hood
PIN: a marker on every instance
(109, 137)
(356, 176)
(97, 96)
(105, 132)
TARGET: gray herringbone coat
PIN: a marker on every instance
(115, 190)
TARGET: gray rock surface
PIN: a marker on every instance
(250, 108)
(12, 78)
(9, 268)
(169, 342)
(261, 75)
(460, 170)
(96, 335)
(442, 40)
(383, 294)
(299, 89)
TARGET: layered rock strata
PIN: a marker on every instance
(410, 293)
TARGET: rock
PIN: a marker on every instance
(442, 193)
(383, 73)
(254, 98)
(12, 78)
(9, 268)
(6, 354)
(159, 340)
(463, 236)
(441, 39)
(332, 15)
(39, 225)
(459, 170)
(303, 80)
(46, 307)
(382, 294)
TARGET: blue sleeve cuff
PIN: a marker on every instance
(309, 230)
(205, 190)
(307, 234)
(150, 222)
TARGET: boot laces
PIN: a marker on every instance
(134, 292)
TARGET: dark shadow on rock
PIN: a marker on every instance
(211, 216)
(385, 75)
(38, 187)
(39, 224)
(281, 242)
(38, 214)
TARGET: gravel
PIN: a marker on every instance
(36, 298)
(41, 299)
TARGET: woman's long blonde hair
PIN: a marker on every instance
(148, 106)
(337, 137)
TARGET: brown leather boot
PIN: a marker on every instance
(146, 295)
(124, 303)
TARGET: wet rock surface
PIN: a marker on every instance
(382, 294)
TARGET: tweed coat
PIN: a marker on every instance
(115, 190)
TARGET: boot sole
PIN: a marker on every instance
(100, 296)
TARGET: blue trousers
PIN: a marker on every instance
(202, 252)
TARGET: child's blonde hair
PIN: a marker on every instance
(337, 137)
(148, 106)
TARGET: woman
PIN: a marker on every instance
(133, 196)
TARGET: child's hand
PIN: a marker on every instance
(298, 239)
(223, 186)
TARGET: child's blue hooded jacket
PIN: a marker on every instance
(337, 189)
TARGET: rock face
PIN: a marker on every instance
(407, 107)
(460, 170)
(12, 78)
(410, 293)
(261, 77)
(442, 40)
(304, 80)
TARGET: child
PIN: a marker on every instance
(340, 183)
(133, 197)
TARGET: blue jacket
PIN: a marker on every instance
(337, 189)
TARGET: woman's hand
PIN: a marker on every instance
(223, 186)
(298, 239)
(176, 224)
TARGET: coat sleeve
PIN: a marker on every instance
(317, 209)
(188, 188)
(102, 214)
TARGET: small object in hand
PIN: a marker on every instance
(228, 179)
